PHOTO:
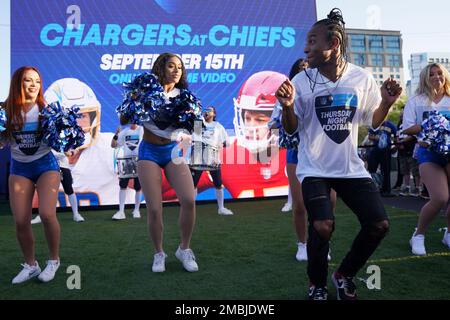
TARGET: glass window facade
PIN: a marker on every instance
(392, 44)
(393, 60)
(376, 60)
(357, 43)
(375, 43)
(359, 59)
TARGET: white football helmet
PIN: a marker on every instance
(256, 94)
(71, 92)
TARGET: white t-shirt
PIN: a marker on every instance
(129, 140)
(27, 144)
(328, 118)
(214, 134)
(418, 107)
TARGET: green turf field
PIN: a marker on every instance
(246, 256)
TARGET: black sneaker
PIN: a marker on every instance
(317, 293)
(345, 288)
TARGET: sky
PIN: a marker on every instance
(424, 28)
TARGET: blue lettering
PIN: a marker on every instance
(236, 35)
(262, 36)
(132, 34)
(251, 36)
(151, 34)
(119, 78)
(274, 35)
(215, 41)
(184, 36)
(92, 36)
(209, 77)
(166, 35)
(289, 37)
(111, 36)
(51, 27)
(75, 34)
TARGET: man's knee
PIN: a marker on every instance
(324, 228)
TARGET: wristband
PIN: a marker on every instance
(116, 137)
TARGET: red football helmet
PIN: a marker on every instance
(257, 94)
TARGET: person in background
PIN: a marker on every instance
(213, 134)
(432, 94)
(380, 155)
(128, 140)
(407, 164)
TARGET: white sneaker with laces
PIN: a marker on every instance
(301, 255)
(446, 238)
(28, 272)
(287, 207)
(417, 243)
(159, 262)
(36, 220)
(225, 212)
(78, 218)
(119, 215)
(136, 214)
(49, 272)
(187, 257)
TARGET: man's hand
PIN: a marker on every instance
(286, 94)
(390, 91)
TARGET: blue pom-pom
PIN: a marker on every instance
(285, 140)
(288, 141)
(144, 100)
(2, 119)
(141, 95)
(436, 132)
(60, 128)
(183, 110)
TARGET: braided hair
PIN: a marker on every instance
(335, 25)
(334, 22)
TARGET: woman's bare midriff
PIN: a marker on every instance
(154, 139)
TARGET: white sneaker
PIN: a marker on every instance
(78, 218)
(49, 272)
(120, 215)
(36, 220)
(446, 238)
(287, 207)
(136, 214)
(225, 212)
(28, 272)
(417, 243)
(187, 257)
(159, 262)
(301, 255)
